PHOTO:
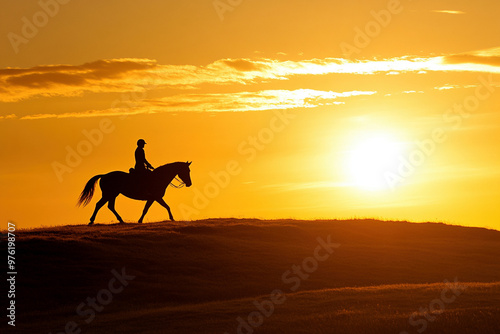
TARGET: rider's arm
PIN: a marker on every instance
(148, 164)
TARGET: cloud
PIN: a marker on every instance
(454, 12)
(90, 113)
(473, 59)
(132, 74)
(449, 86)
(228, 102)
(482, 60)
(11, 116)
(244, 65)
(67, 80)
(252, 101)
(413, 92)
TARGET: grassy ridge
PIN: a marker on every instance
(207, 273)
(381, 309)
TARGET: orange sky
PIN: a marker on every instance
(321, 109)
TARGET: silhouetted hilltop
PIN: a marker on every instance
(215, 268)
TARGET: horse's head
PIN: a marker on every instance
(185, 173)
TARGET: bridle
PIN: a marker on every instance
(182, 184)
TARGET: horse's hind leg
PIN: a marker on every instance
(98, 205)
(111, 206)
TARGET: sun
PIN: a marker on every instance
(371, 158)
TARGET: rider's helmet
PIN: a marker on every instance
(141, 141)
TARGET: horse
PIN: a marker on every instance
(117, 182)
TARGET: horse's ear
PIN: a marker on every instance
(189, 163)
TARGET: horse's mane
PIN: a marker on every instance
(166, 165)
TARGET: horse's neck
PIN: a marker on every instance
(166, 175)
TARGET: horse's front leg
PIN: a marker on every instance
(146, 208)
(165, 205)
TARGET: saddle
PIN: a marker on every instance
(141, 181)
(132, 171)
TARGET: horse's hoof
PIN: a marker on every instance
(91, 223)
(140, 221)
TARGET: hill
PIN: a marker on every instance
(253, 276)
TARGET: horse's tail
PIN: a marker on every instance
(88, 191)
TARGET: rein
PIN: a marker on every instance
(181, 183)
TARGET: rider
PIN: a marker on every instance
(141, 164)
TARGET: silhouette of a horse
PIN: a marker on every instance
(116, 183)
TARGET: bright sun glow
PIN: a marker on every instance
(370, 159)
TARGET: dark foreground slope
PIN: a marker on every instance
(244, 276)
